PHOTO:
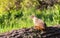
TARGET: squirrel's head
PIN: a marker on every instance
(33, 16)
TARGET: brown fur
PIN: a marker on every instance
(38, 23)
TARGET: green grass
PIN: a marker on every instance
(14, 19)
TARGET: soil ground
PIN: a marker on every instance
(50, 32)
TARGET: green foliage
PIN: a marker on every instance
(15, 15)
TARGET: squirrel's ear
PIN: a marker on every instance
(32, 16)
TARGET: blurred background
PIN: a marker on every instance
(15, 14)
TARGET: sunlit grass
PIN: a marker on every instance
(21, 19)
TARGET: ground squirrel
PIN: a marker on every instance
(38, 23)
